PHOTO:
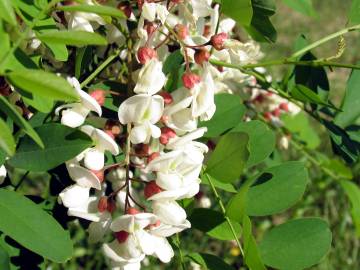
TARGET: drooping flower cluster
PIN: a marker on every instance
(160, 127)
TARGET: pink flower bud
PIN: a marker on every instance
(267, 116)
(167, 97)
(149, 27)
(99, 175)
(152, 156)
(151, 189)
(284, 106)
(190, 80)
(201, 56)
(103, 204)
(145, 54)
(111, 205)
(122, 236)
(166, 134)
(276, 112)
(182, 31)
(218, 40)
(132, 211)
(99, 96)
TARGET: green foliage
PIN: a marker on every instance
(229, 113)
(55, 136)
(353, 193)
(7, 12)
(261, 140)
(4, 259)
(7, 142)
(303, 6)
(297, 244)
(241, 10)
(32, 227)
(231, 149)
(354, 14)
(209, 261)
(75, 38)
(97, 9)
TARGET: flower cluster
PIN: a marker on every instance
(156, 129)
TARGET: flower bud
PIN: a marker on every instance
(267, 116)
(190, 79)
(99, 96)
(218, 40)
(126, 8)
(152, 156)
(154, 225)
(145, 54)
(132, 211)
(111, 205)
(151, 189)
(182, 31)
(103, 204)
(142, 149)
(166, 134)
(201, 56)
(168, 99)
(122, 236)
(284, 106)
(99, 174)
(150, 27)
(276, 112)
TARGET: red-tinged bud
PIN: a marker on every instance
(276, 112)
(267, 116)
(163, 139)
(284, 106)
(111, 205)
(182, 31)
(145, 54)
(99, 174)
(142, 149)
(99, 96)
(132, 211)
(103, 204)
(150, 28)
(152, 156)
(168, 99)
(168, 132)
(269, 94)
(126, 8)
(190, 80)
(154, 225)
(218, 41)
(259, 98)
(201, 56)
(122, 236)
(220, 68)
(151, 189)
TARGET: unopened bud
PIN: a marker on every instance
(182, 31)
(132, 211)
(151, 189)
(267, 116)
(190, 80)
(284, 106)
(122, 236)
(145, 54)
(201, 56)
(168, 99)
(276, 112)
(99, 96)
(111, 205)
(150, 28)
(218, 41)
(103, 204)
(166, 134)
(152, 156)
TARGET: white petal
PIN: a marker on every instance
(146, 242)
(169, 212)
(149, 11)
(165, 230)
(184, 140)
(74, 196)
(83, 177)
(94, 159)
(163, 249)
(97, 230)
(75, 116)
(2, 174)
(151, 78)
(89, 102)
(140, 133)
(105, 142)
(168, 181)
(133, 109)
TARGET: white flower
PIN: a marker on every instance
(166, 230)
(2, 174)
(151, 11)
(74, 196)
(83, 21)
(82, 176)
(76, 113)
(242, 53)
(169, 212)
(144, 111)
(151, 78)
(94, 158)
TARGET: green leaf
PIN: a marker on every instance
(229, 157)
(209, 262)
(299, 125)
(82, 60)
(74, 38)
(285, 187)
(241, 10)
(303, 6)
(353, 193)
(213, 223)
(4, 259)
(44, 84)
(173, 62)
(251, 252)
(7, 12)
(32, 227)
(261, 140)
(10, 111)
(55, 136)
(218, 184)
(297, 244)
(97, 9)
(229, 113)
(40, 103)
(7, 142)
(354, 15)
(351, 103)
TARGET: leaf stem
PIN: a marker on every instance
(99, 69)
(223, 210)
